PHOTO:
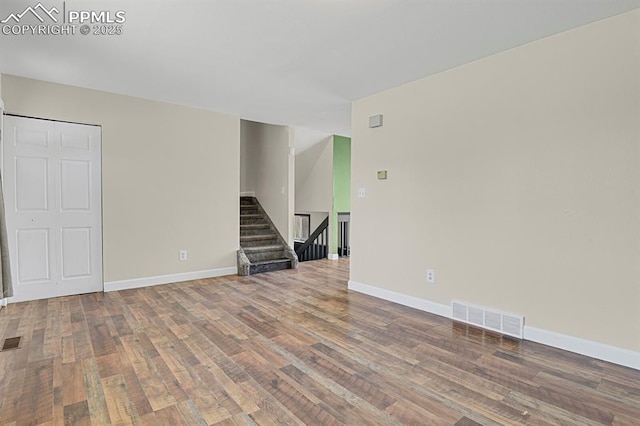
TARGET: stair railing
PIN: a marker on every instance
(344, 247)
(316, 246)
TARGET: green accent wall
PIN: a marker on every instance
(341, 184)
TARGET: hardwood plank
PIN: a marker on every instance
(225, 343)
(82, 340)
(171, 383)
(608, 407)
(121, 409)
(77, 414)
(73, 383)
(11, 401)
(339, 407)
(361, 405)
(58, 397)
(465, 421)
(208, 353)
(271, 412)
(190, 413)
(36, 346)
(627, 393)
(219, 392)
(121, 324)
(168, 416)
(544, 413)
(51, 346)
(409, 400)
(109, 365)
(156, 392)
(36, 401)
(68, 351)
(136, 393)
(98, 411)
(216, 366)
(209, 408)
(347, 378)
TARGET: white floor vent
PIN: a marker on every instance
(502, 322)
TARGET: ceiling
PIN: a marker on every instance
(290, 62)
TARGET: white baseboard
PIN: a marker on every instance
(581, 346)
(248, 194)
(168, 279)
(402, 299)
(613, 354)
(3, 302)
(333, 256)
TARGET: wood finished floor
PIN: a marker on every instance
(288, 347)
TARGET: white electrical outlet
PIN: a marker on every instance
(431, 276)
(183, 255)
(362, 192)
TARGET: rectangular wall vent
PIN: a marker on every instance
(11, 343)
(490, 319)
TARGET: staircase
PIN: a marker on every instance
(262, 248)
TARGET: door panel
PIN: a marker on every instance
(33, 255)
(32, 184)
(75, 185)
(76, 252)
(37, 135)
(72, 139)
(52, 181)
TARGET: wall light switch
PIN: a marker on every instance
(362, 192)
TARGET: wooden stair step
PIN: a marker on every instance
(271, 247)
(258, 237)
(266, 262)
(249, 226)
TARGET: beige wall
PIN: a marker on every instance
(170, 176)
(248, 135)
(267, 170)
(517, 178)
(314, 178)
(315, 219)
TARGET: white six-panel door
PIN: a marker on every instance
(52, 182)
